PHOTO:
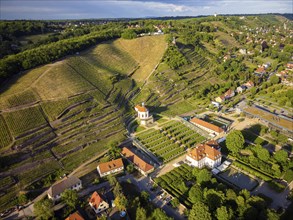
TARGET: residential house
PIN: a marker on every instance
(213, 144)
(142, 166)
(229, 94)
(289, 65)
(220, 99)
(204, 155)
(114, 166)
(75, 216)
(143, 114)
(260, 71)
(55, 191)
(241, 89)
(249, 84)
(242, 51)
(211, 128)
(97, 203)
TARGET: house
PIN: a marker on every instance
(220, 99)
(289, 65)
(143, 114)
(213, 144)
(55, 191)
(226, 57)
(211, 128)
(75, 216)
(114, 166)
(249, 84)
(204, 155)
(142, 166)
(261, 71)
(241, 89)
(229, 94)
(242, 51)
(97, 203)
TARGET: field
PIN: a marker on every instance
(147, 52)
(170, 141)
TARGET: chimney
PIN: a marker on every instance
(142, 104)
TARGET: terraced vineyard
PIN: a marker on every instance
(170, 141)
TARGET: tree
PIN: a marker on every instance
(117, 189)
(114, 152)
(22, 199)
(140, 213)
(281, 156)
(43, 209)
(129, 34)
(272, 215)
(262, 153)
(203, 176)
(235, 141)
(70, 197)
(214, 199)
(199, 211)
(274, 79)
(175, 202)
(223, 214)
(158, 214)
(112, 180)
(195, 194)
(130, 168)
(145, 196)
(121, 202)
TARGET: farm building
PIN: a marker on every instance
(114, 166)
(143, 114)
(97, 203)
(55, 191)
(204, 155)
(211, 128)
(139, 163)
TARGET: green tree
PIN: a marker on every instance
(70, 197)
(121, 202)
(274, 79)
(214, 199)
(112, 180)
(158, 214)
(195, 194)
(175, 202)
(141, 213)
(272, 215)
(199, 211)
(223, 214)
(128, 34)
(281, 156)
(145, 196)
(235, 141)
(203, 176)
(130, 168)
(262, 153)
(117, 189)
(22, 199)
(43, 209)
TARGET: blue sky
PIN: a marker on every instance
(76, 9)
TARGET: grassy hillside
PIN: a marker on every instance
(57, 116)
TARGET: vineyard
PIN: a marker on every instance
(170, 141)
(5, 138)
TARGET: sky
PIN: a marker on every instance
(77, 9)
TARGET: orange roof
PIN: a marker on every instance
(74, 216)
(260, 70)
(211, 152)
(213, 143)
(141, 108)
(203, 150)
(144, 166)
(207, 125)
(96, 200)
(228, 92)
(111, 165)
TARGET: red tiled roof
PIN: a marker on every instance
(111, 165)
(141, 108)
(96, 200)
(213, 143)
(207, 125)
(260, 70)
(203, 150)
(144, 166)
(74, 216)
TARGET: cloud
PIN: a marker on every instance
(77, 9)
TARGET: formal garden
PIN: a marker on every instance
(170, 141)
(207, 198)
